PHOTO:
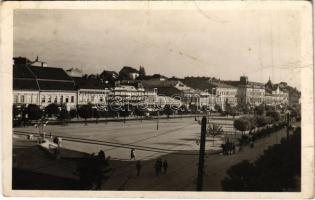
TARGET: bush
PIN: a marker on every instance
(64, 114)
(262, 121)
(85, 111)
(241, 124)
(52, 109)
(73, 113)
(34, 112)
(275, 115)
(218, 108)
(277, 170)
(260, 110)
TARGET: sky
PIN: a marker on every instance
(196, 42)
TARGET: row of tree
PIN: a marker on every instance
(251, 122)
(277, 170)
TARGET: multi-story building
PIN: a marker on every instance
(91, 91)
(43, 86)
(224, 94)
(248, 92)
(274, 95)
(128, 73)
(127, 92)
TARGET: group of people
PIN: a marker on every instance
(228, 148)
(159, 165)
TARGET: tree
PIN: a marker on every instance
(262, 121)
(214, 130)
(73, 113)
(278, 169)
(126, 110)
(239, 176)
(85, 111)
(16, 111)
(275, 115)
(230, 110)
(52, 109)
(95, 114)
(218, 108)
(242, 124)
(168, 110)
(140, 110)
(141, 72)
(64, 114)
(34, 112)
(260, 110)
(93, 171)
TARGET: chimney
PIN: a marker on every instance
(44, 64)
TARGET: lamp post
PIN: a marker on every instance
(41, 123)
(158, 111)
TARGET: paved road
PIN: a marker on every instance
(176, 134)
(182, 172)
(173, 134)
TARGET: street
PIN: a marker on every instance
(173, 134)
(176, 134)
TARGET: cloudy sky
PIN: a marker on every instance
(195, 42)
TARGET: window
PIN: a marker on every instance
(22, 98)
(101, 99)
(49, 99)
(55, 100)
(16, 100)
(67, 99)
(72, 99)
(43, 99)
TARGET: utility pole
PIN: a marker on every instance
(201, 153)
(288, 124)
(157, 119)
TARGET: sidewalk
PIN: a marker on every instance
(182, 171)
(34, 168)
(132, 118)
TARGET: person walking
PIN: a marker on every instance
(156, 167)
(160, 165)
(132, 154)
(138, 167)
(165, 166)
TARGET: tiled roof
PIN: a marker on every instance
(21, 71)
(50, 73)
(56, 85)
(24, 84)
(220, 84)
(89, 83)
(41, 78)
(168, 91)
(127, 69)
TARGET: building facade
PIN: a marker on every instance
(42, 86)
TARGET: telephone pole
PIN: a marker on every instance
(201, 153)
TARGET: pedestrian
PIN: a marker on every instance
(156, 167)
(132, 154)
(138, 167)
(101, 155)
(160, 165)
(233, 148)
(165, 166)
